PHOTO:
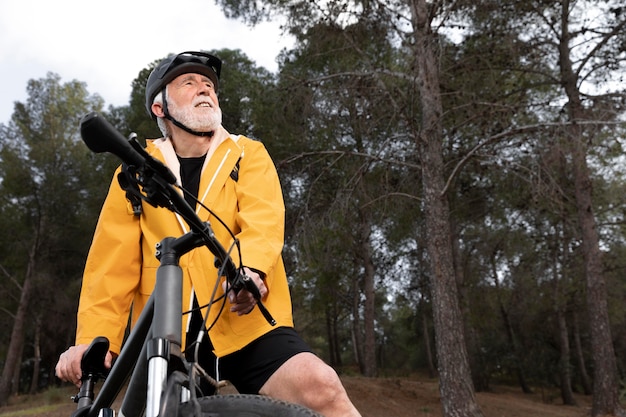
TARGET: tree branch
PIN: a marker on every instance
(11, 277)
(347, 153)
(513, 132)
(382, 197)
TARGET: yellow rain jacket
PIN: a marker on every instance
(120, 272)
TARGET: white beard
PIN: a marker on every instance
(205, 120)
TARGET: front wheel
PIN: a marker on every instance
(244, 405)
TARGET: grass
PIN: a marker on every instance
(36, 411)
(45, 403)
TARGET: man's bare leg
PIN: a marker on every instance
(307, 380)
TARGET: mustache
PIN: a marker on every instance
(202, 100)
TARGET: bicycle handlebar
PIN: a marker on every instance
(157, 183)
(100, 136)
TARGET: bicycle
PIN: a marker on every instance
(161, 381)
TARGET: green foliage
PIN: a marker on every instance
(50, 192)
(511, 186)
(341, 120)
(137, 119)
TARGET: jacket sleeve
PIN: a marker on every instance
(261, 211)
(112, 272)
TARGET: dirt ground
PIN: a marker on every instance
(374, 397)
(419, 397)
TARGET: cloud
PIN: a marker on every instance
(106, 44)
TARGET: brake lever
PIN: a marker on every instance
(243, 281)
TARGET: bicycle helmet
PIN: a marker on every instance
(175, 65)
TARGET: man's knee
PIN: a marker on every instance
(325, 389)
(307, 380)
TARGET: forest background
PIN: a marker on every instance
(453, 174)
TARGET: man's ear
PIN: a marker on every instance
(157, 109)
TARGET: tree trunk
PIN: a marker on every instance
(333, 342)
(457, 390)
(17, 371)
(357, 340)
(34, 382)
(432, 370)
(369, 347)
(519, 363)
(605, 383)
(580, 356)
(510, 332)
(17, 334)
(560, 306)
(565, 376)
(480, 376)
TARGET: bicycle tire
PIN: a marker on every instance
(245, 405)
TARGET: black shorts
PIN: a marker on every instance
(249, 368)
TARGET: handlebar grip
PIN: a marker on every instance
(100, 136)
(92, 366)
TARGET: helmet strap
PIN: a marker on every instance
(169, 117)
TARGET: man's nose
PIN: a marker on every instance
(204, 89)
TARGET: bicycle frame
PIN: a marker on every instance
(154, 341)
(153, 348)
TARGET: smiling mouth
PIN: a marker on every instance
(203, 104)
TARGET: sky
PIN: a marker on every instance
(106, 43)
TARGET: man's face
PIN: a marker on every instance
(192, 100)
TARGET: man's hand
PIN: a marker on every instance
(68, 367)
(244, 302)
